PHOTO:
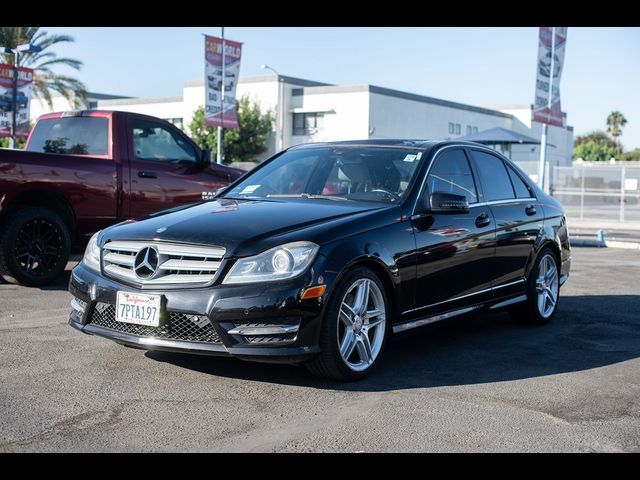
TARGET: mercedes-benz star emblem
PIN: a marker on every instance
(146, 262)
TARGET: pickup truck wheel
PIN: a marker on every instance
(34, 247)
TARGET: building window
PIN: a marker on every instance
(469, 129)
(451, 128)
(475, 129)
(307, 123)
(458, 129)
(175, 121)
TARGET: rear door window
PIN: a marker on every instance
(495, 180)
(71, 136)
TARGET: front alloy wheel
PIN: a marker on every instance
(362, 324)
(354, 329)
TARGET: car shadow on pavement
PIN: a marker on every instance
(588, 332)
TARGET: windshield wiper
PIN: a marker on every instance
(307, 195)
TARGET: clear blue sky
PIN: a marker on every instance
(479, 66)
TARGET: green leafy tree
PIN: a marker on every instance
(631, 156)
(615, 122)
(591, 151)
(598, 136)
(44, 62)
(238, 145)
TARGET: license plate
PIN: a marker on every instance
(138, 308)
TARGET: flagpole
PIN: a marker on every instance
(219, 145)
(545, 126)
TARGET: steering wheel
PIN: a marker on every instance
(394, 197)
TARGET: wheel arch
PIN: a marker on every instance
(47, 199)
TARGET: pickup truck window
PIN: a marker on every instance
(153, 141)
(71, 135)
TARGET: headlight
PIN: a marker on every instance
(91, 257)
(279, 263)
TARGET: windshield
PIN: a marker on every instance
(375, 174)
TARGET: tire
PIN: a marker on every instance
(530, 312)
(330, 362)
(34, 246)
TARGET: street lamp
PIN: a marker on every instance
(24, 48)
(280, 145)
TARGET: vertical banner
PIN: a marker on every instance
(548, 76)
(218, 111)
(23, 99)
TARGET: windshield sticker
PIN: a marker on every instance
(249, 189)
(419, 156)
(410, 158)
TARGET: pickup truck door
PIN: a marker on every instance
(165, 168)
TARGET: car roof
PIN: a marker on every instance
(390, 142)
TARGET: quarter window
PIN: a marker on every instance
(451, 174)
(521, 188)
(496, 184)
(152, 141)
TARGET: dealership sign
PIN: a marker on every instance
(546, 107)
(221, 111)
(23, 99)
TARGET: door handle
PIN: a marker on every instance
(530, 210)
(142, 174)
(482, 220)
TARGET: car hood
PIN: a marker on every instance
(247, 227)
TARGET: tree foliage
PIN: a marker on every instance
(598, 136)
(615, 122)
(591, 151)
(631, 156)
(238, 145)
(44, 62)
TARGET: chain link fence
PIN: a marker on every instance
(595, 192)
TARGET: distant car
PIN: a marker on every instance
(6, 100)
(215, 82)
(544, 66)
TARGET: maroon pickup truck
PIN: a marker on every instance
(85, 170)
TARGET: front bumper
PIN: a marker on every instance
(291, 325)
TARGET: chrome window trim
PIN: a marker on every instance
(465, 147)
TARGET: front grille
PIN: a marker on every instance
(172, 264)
(180, 326)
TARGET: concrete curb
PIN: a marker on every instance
(587, 242)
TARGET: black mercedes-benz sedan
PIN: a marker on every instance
(323, 251)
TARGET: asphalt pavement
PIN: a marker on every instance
(480, 383)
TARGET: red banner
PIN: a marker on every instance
(549, 70)
(23, 100)
(221, 111)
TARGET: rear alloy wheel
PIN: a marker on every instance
(543, 291)
(354, 329)
(34, 246)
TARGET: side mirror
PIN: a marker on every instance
(442, 202)
(207, 156)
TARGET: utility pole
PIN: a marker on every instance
(545, 126)
(220, 127)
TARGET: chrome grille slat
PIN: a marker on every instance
(190, 265)
(177, 264)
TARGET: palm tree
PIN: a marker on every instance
(45, 79)
(615, 122)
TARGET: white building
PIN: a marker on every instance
(315, 111)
